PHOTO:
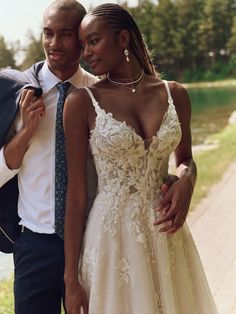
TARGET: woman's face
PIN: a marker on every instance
(101, 47)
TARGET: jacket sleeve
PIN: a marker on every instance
(5, 173)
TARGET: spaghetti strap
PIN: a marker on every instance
(94, 101)
(170, 99)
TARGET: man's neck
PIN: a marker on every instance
(64, 75)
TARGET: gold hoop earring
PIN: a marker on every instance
(126, 53)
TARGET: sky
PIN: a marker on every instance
(18, 17)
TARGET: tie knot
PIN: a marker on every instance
(63, 87)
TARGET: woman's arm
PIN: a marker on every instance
(76, 139)
(175, 204)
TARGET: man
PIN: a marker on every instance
(39, 250)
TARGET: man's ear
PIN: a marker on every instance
(124, 38)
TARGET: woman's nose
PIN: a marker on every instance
(86, 51)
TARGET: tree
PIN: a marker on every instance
(165, 37)
(144, 14)
(215, 29)
(190, 15)
(6, 55)
(231, 44)
(33, 53)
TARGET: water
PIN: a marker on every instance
(211, 109)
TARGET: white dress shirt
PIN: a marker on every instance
(36, 176)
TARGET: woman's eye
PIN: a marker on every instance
(94, 41)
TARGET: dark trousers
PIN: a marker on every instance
(39, 269)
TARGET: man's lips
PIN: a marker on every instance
(55, 55)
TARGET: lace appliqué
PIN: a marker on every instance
(129, 173)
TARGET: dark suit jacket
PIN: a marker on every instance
(11, 84)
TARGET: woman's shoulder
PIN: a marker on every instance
(180, 98)
(79, 95)
(178, 91)
(79, 100)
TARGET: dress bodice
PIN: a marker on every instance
(125, 162)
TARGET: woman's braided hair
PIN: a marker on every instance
(118, 18)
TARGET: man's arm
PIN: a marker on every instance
(12, 154)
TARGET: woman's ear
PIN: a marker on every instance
(124, 38)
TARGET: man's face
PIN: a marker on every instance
(61, 42)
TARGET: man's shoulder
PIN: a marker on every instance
(89, 77)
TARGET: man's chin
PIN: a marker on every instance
(55, 65)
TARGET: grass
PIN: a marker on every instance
(6, 297)
(213, 163)
(224, 83)
(211, 166)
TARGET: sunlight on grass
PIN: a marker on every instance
(6, 297)
(213, 163)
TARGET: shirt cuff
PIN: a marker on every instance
(5, 173)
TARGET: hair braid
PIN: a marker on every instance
(119, 18)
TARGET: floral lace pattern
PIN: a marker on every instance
(127, 267)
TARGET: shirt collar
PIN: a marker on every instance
(50, 80)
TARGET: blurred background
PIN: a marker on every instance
(191, 41)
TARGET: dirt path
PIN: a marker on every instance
(213, 225)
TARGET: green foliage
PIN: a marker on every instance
(231, 44)
(165, 35)
(6, 55)
(216, 26)
(34, 52)
(144, 15)
(190, 40)
(6, 297)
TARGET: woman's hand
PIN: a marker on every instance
(174, 206)
(75, 299)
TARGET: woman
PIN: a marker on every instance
(134, 259)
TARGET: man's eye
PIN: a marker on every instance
(66, 34)
(46, 33)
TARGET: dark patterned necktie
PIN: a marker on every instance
(60, 162)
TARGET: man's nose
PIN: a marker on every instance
(55, 42)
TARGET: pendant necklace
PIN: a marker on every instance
(137, 80)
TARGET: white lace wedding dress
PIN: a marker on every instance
(127, 266)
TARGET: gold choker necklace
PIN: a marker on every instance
(138, 81)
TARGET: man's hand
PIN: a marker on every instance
(76, 299)
(32, 110)
(168, 182)
(173, 208)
